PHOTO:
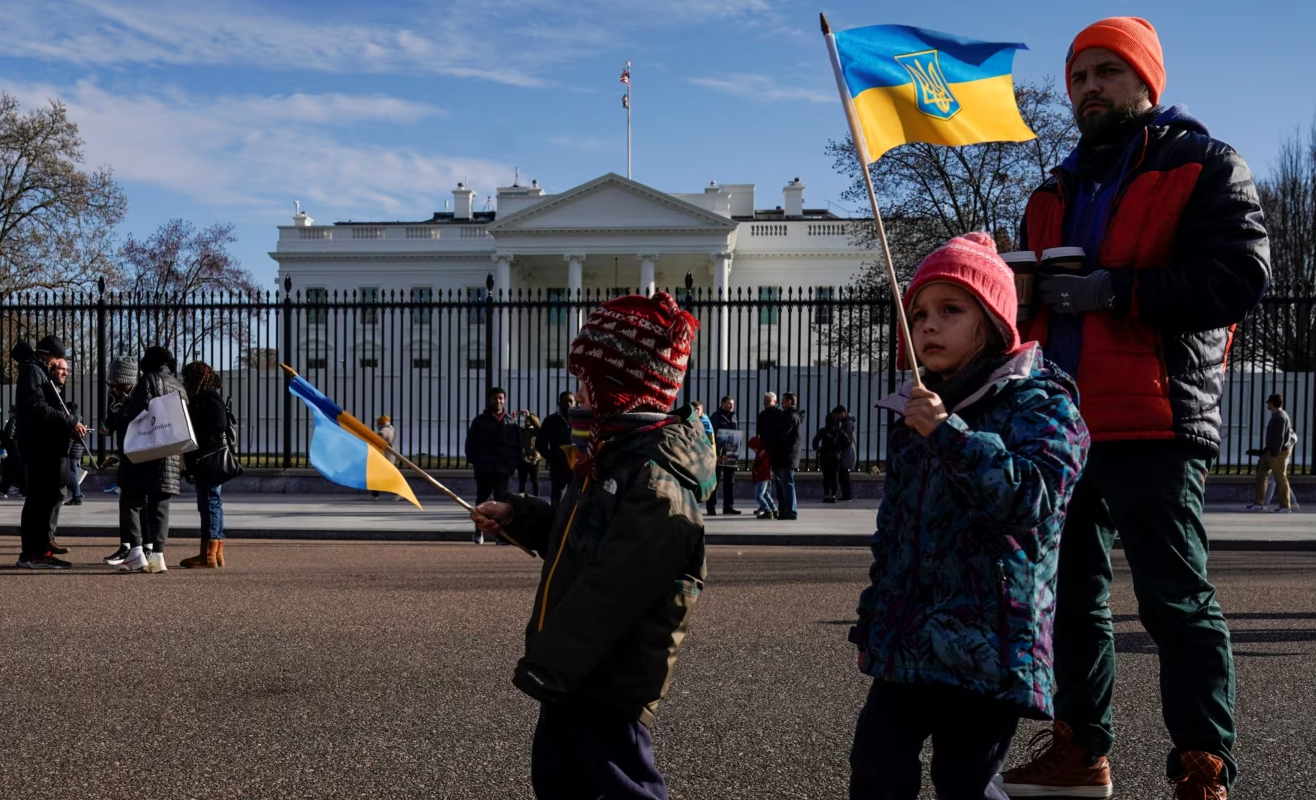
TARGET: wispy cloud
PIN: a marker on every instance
(248, 154)
(762, 87)
(517, 42)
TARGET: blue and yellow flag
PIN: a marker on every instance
(344, 450)
(914, 85)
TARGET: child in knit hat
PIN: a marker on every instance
(623, 555)
(955, 627)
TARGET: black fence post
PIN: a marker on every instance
(101, 388)
(287, 359)
(488, 336)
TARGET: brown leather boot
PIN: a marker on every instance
(1202, 778)
(1059, 768)
(202, 559)
(219, 552)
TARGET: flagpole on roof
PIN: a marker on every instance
(861, 153)
(626, 101)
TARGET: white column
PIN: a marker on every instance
(721, 291)
(646, 273)
(500, 327)
(575, 262)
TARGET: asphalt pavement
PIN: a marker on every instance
(357, 516)
(381, 670)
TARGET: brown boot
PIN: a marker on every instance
(1202, 778)
(219, 552)
(198, 560)
(1059, 768)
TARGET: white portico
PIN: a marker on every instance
(610, 234)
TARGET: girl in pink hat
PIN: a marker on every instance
(955, 627)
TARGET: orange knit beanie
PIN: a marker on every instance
(1132, 39)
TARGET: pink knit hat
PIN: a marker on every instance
(970, 262)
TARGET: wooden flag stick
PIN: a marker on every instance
(861, 153)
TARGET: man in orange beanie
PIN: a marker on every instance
(1176, 254)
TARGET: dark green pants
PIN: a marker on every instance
(1152, 494)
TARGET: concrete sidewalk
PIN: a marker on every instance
(338, 516)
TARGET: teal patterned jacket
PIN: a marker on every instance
(964, 558)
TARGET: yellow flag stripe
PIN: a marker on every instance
(890, 117)
(382, 476)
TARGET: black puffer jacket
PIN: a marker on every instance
(494, 445)
(161, 475)
(1186, 247)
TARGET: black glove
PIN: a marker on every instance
(1072, 294)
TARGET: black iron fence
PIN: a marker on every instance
(426, 358)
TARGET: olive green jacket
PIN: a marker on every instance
(623, 566)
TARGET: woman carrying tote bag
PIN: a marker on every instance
(146, 487)
(205, 465)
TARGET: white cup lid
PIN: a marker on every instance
(1019, 257)
(1063, 252)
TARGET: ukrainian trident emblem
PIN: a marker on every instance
(931, 89)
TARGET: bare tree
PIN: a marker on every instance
(931, 193)
(190, 288)
(1281, 332)
(56, 218)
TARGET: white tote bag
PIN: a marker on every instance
(164, 429)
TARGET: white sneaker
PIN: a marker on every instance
(155, 563)
(135, 562)
(1255, 507)
(1280, 510)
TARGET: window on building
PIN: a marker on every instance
(767, 364)
(555, 362)
(421, 310)
(317, 362)
(824, 308)
(557, 310)
(477, 296)
(420, 363)
(317, 295)
(475, 363)
(369, 362)
(364, 295)
(769, 311)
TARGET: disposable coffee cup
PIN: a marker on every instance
(1023, 263)
(1064, 259)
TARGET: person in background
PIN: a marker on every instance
(1280, 438)
(724, 419)
(527, 470)
(77, 449)
(698, 406)
(384, 427)
(761, 474)
(849, 457)
(554, 435)
(11, 472)
(44, 430)
(493, 448)
(209, 416)
(831, 443)
(785, 445)
(122, 376)
(149, 486)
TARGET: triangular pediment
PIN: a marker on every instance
(612, 203)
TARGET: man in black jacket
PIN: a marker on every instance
(784, 447)
(728, 456)
(493, 448)
(44, 430)
(554, 434)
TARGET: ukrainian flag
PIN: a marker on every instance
(343, 449)
(914, 85)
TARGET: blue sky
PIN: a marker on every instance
(230, 111)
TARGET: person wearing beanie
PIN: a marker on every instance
(43, 429)
(623, 558)
(121, 377)
(1175, 253)
(955, 625)
(384, 427)
(148, 487)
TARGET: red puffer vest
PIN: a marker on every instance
(1189, 257)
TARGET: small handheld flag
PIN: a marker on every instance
(915, 85)
(344, 450)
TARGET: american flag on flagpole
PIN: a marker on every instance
(626, 74)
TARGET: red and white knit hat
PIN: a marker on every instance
(970, 262)
(632, 354)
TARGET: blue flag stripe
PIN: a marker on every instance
(315, 399)
(868, 56)
(337, 454)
